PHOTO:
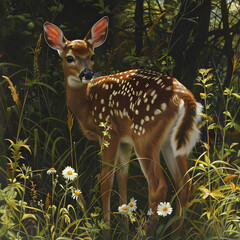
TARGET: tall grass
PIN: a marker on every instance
(214, 209)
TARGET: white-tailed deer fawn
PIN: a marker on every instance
(147, 110)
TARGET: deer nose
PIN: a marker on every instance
(87, 73)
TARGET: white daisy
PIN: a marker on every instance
(164, 209)
(69, 173)
(132, 204)
(124, 208)
(150, 212)
(51, 171)
(76, 193)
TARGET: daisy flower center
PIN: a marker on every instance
(131, 204)
(164, 208)
(69, 172)
(124, 208)
(52, 169)
(77, 193)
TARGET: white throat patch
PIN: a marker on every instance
(74, 81)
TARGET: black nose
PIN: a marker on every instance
(87, 73)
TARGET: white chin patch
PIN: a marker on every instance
(76, 81)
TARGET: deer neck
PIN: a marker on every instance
(77, 100)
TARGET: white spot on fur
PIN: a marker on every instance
(157, 112)
(153, 92)
(163, 106)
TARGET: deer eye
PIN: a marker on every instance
(69, 59)
(92, 57)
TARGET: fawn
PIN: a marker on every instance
(147, 111)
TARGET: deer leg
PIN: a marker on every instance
(150, 164)
(178, 168)
(124, 155)
(106, 178)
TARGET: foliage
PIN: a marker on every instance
(215, 174)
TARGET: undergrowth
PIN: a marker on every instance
(37, 202)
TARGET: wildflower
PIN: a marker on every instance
(164, 209)
(69, 173)
(22, 203)
(40, 203)
(150, 212)
(132, 204)
(76, 193)
(124, 208)
(51, 171)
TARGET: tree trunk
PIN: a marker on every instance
(139, 27)
(228, 43)
(188, 39)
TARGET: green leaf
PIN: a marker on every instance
(28, 215)
(103, 225)
(233, 145)
(212, 126)
(236, 95)
(22, 18)
(63, 238)
(227, 113)
(227, 91)
(207, 160)
(208, 85)
(237, 127)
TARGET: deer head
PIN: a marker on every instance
(77, 55)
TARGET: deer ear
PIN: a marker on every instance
(98, 33)
(54, 36)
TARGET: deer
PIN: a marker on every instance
(148, 111)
